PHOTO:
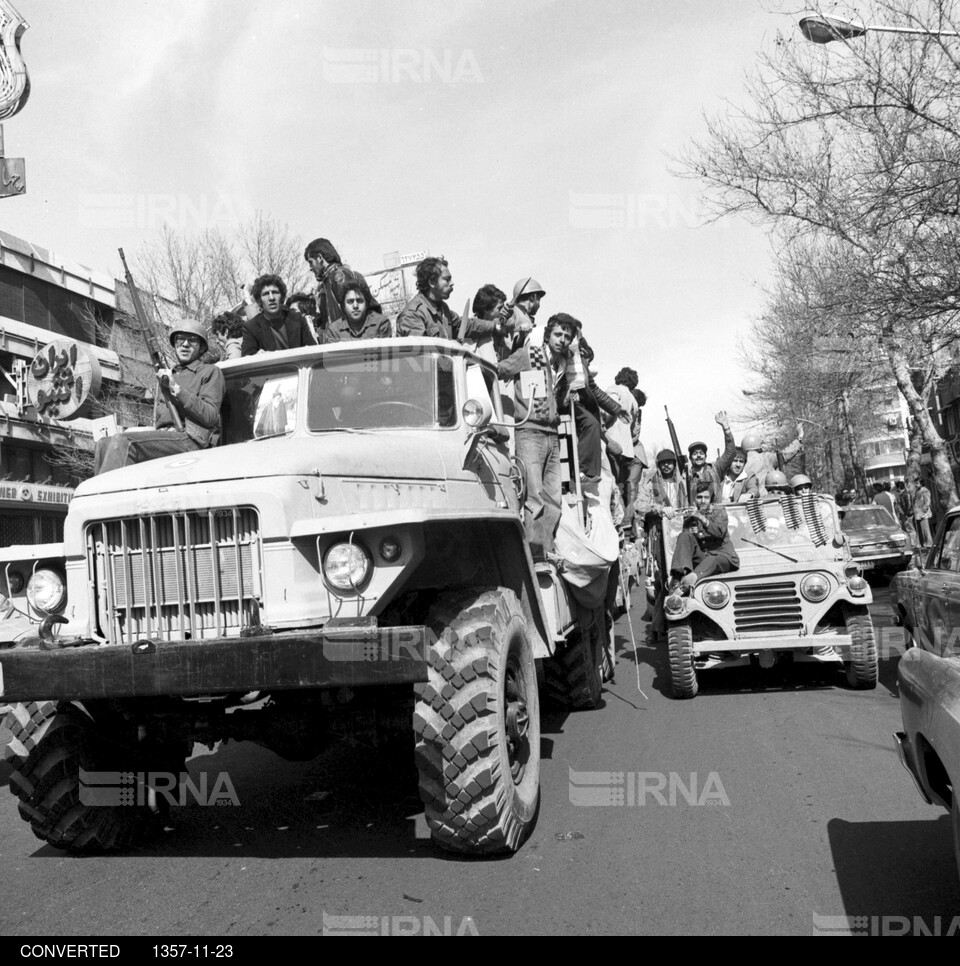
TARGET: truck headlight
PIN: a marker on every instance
(346, 566)
(46, 590)
(716, 594)
(815, 587)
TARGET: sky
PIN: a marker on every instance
(514, 137)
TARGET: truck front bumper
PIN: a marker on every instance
(347, 655)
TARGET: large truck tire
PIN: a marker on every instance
(52, 742)
(477, 724)
(862, 668)
(575, 673)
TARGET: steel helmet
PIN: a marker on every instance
(527, 286)
(190, 327)
(800, 480)
(666, 456)
(751, 442)
(775, 478)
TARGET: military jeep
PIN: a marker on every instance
(352, 554)
(797, 595)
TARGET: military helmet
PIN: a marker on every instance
(527, 286)
(190, 327)
(775, 478)
(800, 480)
(751, 442)
(666, 456)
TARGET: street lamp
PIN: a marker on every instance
(821, 30)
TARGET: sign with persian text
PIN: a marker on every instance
(62, 378)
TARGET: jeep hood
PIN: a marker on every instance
(332, 454)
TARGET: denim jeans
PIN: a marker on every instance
(540, 453)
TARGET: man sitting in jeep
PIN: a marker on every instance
(704, 547)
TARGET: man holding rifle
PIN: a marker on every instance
(190, 420)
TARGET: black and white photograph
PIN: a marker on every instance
(477, 469)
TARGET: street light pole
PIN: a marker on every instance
(822, 30)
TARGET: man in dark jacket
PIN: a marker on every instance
(358, 322)
(275, 327)
(704, 547)
(713, 473)
(333, 277)
(196, 389)
(427, 313)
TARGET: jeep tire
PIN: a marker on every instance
(575, 673)
(861, 668)
(52, 742)
(477, 724)
(683, 674)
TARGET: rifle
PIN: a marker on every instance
(156, 356)
(681, 459)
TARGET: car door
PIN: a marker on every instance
(938, 589)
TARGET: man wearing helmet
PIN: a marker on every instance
(776, 482)
(760, 463)
(519, 321)
(663, 493)
(801, 484)
(195, 390)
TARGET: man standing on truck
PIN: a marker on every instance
(427, 313)
(274, 327)
(333, 277)
(537, 442)
(713, 473)
(195, 391)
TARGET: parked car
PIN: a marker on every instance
(926, 598)
(929, 745)
(876, 540)
(796, 594)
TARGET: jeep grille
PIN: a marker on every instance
(765, 608)
(186, 574)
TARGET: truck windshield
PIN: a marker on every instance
(375, 388)
(260, 404)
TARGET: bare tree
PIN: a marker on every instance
(856, 151)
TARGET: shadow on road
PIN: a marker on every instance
(896, 869)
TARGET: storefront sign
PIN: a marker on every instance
(62, 378)
(35, 493)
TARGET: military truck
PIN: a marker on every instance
(797, 595)
(353, 549)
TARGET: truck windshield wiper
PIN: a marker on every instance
(763, 547)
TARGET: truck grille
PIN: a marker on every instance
(766, 609)
(186, 574)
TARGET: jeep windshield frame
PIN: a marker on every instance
(379, 387)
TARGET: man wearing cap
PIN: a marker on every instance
(196, 391)
(663, 493)
(712, 473)
(427, 313)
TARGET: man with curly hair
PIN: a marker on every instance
(333, 277)
(427, 313)
(274, 327)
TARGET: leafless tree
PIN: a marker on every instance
(853, 149)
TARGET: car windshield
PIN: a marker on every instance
(773, 524)
(868, 516)
(259, 404)
(377, 388)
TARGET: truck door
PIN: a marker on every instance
(492, 461)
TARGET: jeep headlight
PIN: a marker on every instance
(716, 594)
(46, 590)
(346, 566)
(815, 587)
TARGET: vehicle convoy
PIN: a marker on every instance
(351, 555)
(929, 745)
(926, 599)
(876, 540)
(796, 596)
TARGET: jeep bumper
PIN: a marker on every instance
(353, 656)
(747, 645)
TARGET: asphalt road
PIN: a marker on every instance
(806, 816)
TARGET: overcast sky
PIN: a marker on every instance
(515, 137)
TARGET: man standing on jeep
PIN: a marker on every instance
(537, 442)
(713, 473)
(196, 391)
